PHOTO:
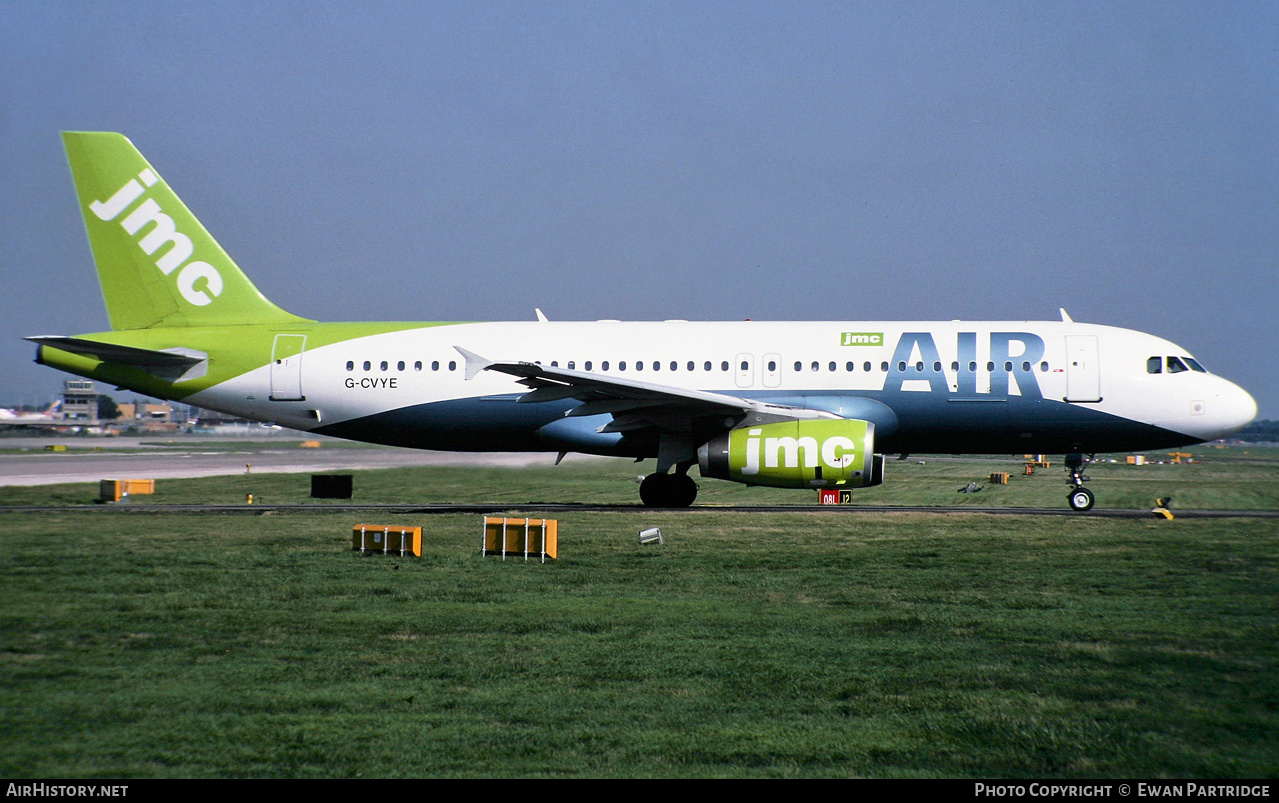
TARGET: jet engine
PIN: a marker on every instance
(826, 453)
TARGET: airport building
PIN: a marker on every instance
(80, 402)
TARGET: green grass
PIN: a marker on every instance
(779, 645)
(796, 644)
(1237, 478)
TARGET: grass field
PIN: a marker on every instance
(799, 644)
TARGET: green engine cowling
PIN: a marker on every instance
(826, 453)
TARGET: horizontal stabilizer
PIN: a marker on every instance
(112, 352)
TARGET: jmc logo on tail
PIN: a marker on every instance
(165, 231)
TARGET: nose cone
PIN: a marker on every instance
(1233, 409)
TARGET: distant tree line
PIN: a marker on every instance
(108, 410)
(1265, 430)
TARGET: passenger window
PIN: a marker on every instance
(1176, 366)
(799, 366)
(883, 366)
(691, 365)
(1025, 366)
(1043, 367)
(831, 366)
(417, 366)
(772, 366)
(990, 366)
(350, 365)
(954, 366)
(816, 366)
(435, 365)
(367, 365)
(639, 365)
(588, 365)
(452, 365)
(723, 366)
(572, 365)
(399, 366)
(866, 367)
(1154, 365)
(849, 367)
(972, 367)
(706, 366)
(901, 366)
(1008, 365)
(621, 365)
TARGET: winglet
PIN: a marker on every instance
(474, 362)
(1064, 317)
(541, 316)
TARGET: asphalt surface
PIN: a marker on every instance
(26, 461)
(131, 507)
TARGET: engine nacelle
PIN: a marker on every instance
(825, 453)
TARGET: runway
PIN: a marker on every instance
(541, 510)
(25, 461)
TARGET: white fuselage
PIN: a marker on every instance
(1025, 379)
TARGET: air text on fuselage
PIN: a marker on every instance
(1012, 354)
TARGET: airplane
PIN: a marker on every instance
(812, 405)
(47, 418)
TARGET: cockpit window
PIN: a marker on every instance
(1176, 366)
(1194, 365)
(1154, 365)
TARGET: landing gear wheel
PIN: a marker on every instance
(653, 490)
(684, 490)
(1081, 499)
(668, 490)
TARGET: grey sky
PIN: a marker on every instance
(470, 161)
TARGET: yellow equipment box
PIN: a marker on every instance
(387, 539)
(504, 536)
(115, 490)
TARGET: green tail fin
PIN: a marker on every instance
(157, 265)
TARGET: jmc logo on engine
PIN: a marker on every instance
(802, 454)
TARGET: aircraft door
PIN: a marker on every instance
(1083, 375)
(745, 370)
(286, 368)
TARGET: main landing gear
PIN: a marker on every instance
(668, 490)
(1080, 498)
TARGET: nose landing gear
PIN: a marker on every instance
(1080, 498)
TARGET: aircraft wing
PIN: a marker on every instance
(632, 403)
